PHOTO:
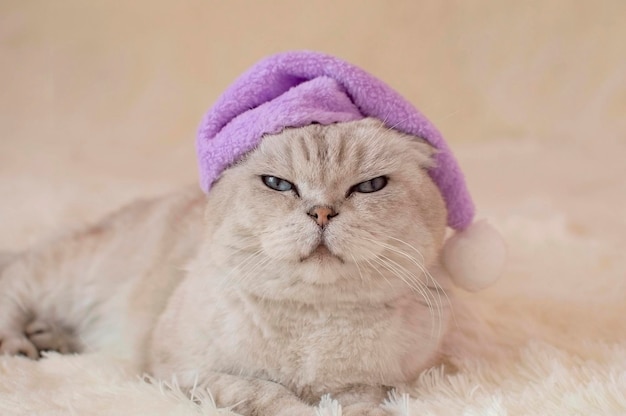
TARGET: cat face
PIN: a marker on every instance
(329, 202)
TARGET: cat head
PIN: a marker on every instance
(300, 88)
(327, 205)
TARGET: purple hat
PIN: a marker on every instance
(294, 89)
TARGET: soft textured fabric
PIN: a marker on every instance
(294, 89)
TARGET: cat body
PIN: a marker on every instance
(312, 267)
(100, 288)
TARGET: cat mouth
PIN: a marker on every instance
(321, 253)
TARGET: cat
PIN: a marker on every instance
(312, 267)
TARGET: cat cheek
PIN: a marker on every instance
(352, 246)
(288, 240)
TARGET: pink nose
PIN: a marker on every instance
(322, 215)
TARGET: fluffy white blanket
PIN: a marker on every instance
(549, 338)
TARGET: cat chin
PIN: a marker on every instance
(322, 255)
(324, 270)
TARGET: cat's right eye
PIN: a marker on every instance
(367, 187)
(277, 184)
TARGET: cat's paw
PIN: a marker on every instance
(36, 337)
(17, 344)
(47, 337)
(364, 409)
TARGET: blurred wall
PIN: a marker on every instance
(115, 89)
(150, 68)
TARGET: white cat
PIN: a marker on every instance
(312, 267)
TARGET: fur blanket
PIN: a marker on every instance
(549, 338)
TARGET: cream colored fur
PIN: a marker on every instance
(243, 303)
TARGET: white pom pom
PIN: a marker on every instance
(475, 257)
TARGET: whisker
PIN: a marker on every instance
(421, 265)
(250, 272)
(400, 270)
(378, 271)
(414, 284)
(358, 268)
(438, 286)
(240, 266)
(437, 299)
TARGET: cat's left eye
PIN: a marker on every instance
(373, 185)
(277, 184)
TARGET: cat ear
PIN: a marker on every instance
(426, 152)
(475, 256)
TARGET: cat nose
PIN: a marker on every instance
(322, 214)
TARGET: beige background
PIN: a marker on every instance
(99, 100)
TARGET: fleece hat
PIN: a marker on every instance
(294, 89)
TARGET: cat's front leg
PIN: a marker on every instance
(254, 397)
